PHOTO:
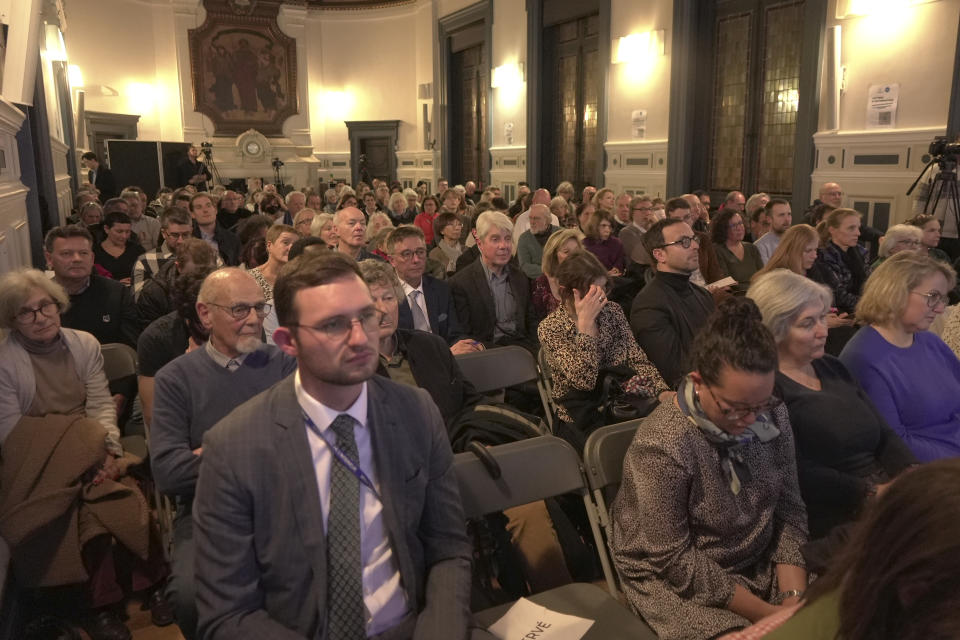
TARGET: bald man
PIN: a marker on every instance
(193, 392)
(831, 194)
(531, 242)
(522, 223)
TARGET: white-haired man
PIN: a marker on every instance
(491, 295)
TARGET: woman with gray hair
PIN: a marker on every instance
(846, 452)
(909, 373)
(62, 511)
(899, 237)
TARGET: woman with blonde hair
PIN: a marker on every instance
(909, 373)
(797, 251)
(376, 223)
(323, 227)
(841, 262)
(604, 200)
(545, 296)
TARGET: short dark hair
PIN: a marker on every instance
(734, 336)
(66, 231)
(115, 217)
(653, 238)
(578, 271)
(499, 204)
(202, 194)
(183, 296)
(700, 193)
(307, 271)
(774, 201)
(173, 215)
(401, 233)
(720, 224)
(90, 155)
(182, 194)
(300, 247)
(675, 203)
(444, 219)
(523, 183)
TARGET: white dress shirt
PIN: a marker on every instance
(383, 595)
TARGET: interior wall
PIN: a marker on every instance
(509, 47)
(909, 45)
(644, 84)
(126, 60)
(366, 63)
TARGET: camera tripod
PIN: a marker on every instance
(944, 185)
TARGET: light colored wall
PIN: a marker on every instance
(645, 85)
(913, 46)
(128, 46)
(366, 63)
(509, 47)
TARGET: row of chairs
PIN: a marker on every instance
(543, 467)
(527, 471)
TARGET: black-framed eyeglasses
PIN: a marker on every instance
(48, 309)
(684, 242)
(934, 298)
(339, 327)
(738, 413)
(241, 311)
(643, 209)
(407, 254)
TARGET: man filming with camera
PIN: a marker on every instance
(193, 172)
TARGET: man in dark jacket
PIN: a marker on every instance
(668, 312)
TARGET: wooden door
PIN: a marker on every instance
(469, 82)
(377, 152)
(571, 149)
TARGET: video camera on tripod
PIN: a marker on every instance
(945, 155)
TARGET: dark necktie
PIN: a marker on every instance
(346, 614)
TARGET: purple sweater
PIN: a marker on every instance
(916, 389)
(609, 252)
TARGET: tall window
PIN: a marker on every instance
(756, 94)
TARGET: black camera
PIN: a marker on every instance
(942, 147)
(277, 163)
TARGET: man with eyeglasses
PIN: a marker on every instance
(328, 506)
(668, 312)
(642, 218)
(351, 227)
(427, 304)
(175, 227)
(192, 393)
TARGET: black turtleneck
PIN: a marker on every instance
(665, 317)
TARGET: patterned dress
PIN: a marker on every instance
(682, 540)
(576, 358)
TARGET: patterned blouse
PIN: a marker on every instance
(682, 540)
(257, 274)
(835, 272)
(576, 358)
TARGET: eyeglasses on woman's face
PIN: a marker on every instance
(738, 413)
(934, 298)
(29, 316)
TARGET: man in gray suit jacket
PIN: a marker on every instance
(327, 506)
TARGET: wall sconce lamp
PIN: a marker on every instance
(637, 47)
(508, 75)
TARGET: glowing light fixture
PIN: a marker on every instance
(507, 76)
(856, 8)
(638, 47)
(75, 76)
(337, 105)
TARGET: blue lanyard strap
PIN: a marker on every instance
(342, 458)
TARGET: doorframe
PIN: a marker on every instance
(363, 129)
(535, 85)
(448, 26)
(119, 126)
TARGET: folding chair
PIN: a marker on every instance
(120, 361)
(603, 458)
(525, 471)
(493, 370)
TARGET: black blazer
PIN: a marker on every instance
(227, 242)
(436, 371)
(105, 183)
(476, 312)
(441, 312)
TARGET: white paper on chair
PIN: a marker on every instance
(529, 621)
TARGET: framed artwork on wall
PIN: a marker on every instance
(244, 69)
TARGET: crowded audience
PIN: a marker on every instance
(760, 454)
